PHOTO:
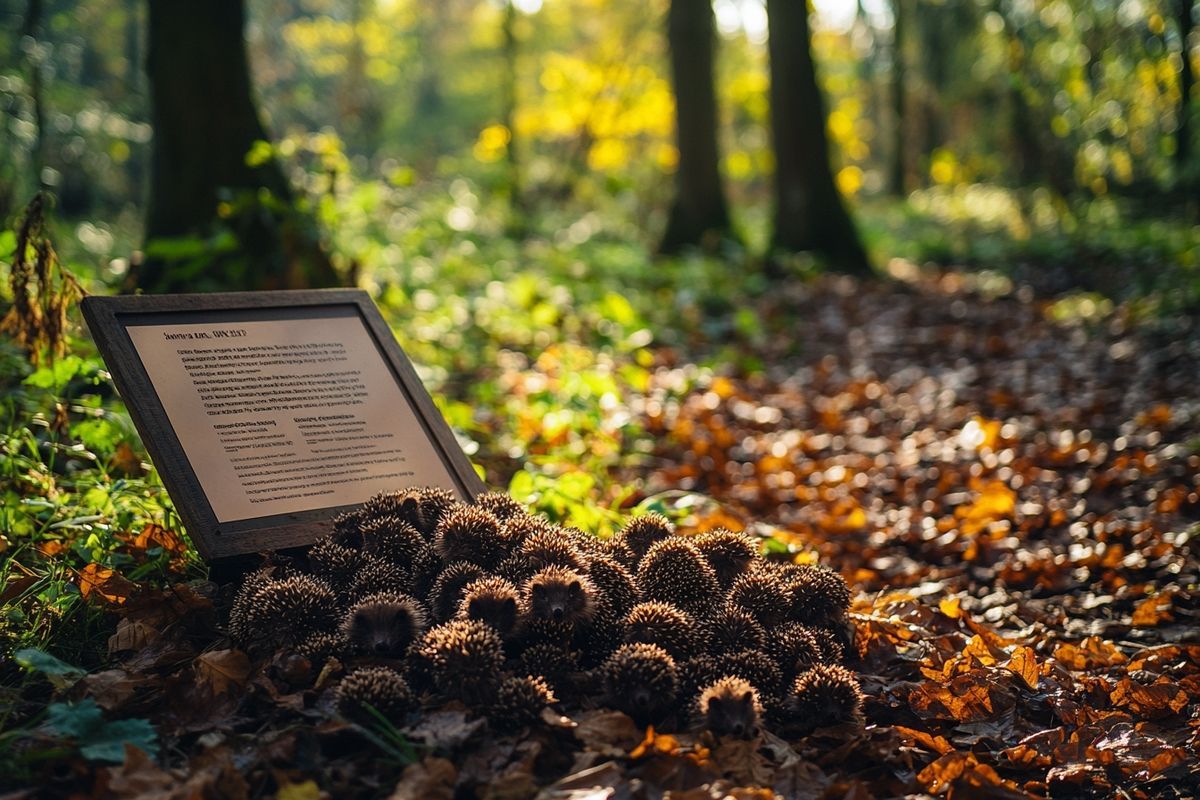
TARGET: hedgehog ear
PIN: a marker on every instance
(748, 697)
(472, 608)
(538, 590)
(510, 604)
(576, 587)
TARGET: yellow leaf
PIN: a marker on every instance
(1023, 664)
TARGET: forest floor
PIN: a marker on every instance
(1011, 486)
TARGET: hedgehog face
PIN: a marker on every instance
(559, 595)
(730, 707)
(493, 601)
(383, 625)
(642, 681)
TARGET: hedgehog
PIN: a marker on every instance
(730, 707)
(426, 566)
(831, 648)
(346, 528)
(819, 596)
(557, 594)
(584, 543)
(664, 625)
(519, 703)
(335, 563)
(392, 539)
(729, 554)
(377, 576)
(614, 548)
(641, 680)
(492, 600)
(374, 688)
(520, 527)
(446, 592)
(240, 610)
(434, 505)
(549, 547)
(286, 611)
(694, 674)
(673, 571)
(732, 629)
(320, 647)
(615, 586)
(467, 658)
(640, 533)
(602, 633)
(762, 595)
(421, 508)
(500, 505)
(552, 662)
(825, 695)
(383, 625)
(754, 666)
(471, 534)
(795, 648)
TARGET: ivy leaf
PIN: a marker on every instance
(60, 674)
(107, 743)
(74, 720)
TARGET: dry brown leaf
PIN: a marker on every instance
(1153, 611)
(223, 671)
(1023, 663)
(608, 733)
(105, 584)
(431, 779)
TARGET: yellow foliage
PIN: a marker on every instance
(849, 180)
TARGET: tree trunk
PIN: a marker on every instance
(205, 123)
(1187, 80)
(698, 214)
(809, 212)
(516, 197)
(897, 183)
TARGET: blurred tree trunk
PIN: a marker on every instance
(698, 214)
(1187, 80)
(809, 212)
(897, 177)
(516, 197)
(31, 33)
(205, 123)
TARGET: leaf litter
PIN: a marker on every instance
(1014, 499)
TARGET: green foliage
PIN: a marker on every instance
(97, 739)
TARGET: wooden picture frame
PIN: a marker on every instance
(115, 323)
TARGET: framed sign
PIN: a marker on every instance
(269, 413)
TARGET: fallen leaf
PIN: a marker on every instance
(1023, 664)
(223, 670)
(431, 779)
(102, 583)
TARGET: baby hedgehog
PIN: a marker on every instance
(559, 595)
(664, 625)
(373, 688)
(640, 533)
(730, 707)
(446, 594)
(729, 554)
(825, 695)
(466, 658)
(287, 611)
(334, 563)
(492, 600)
(762, 595)
(473, 535)
(733, 629)
(392, 539)
(614, 583)
(640, 679)
(519, 702)
(383, 625)
(500, 505)
(673, 571)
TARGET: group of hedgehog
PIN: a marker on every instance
(424, 599)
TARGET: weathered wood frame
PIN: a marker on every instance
(108, 317)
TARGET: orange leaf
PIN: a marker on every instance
(1023, 664)
(950, 606)
(655, 744)
(157, 536)
(1153, 610)
(106, 584)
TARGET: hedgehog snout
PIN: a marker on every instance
(558, 612)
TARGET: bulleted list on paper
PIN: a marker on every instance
(283, 416)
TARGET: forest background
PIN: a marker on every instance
(605, 302)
